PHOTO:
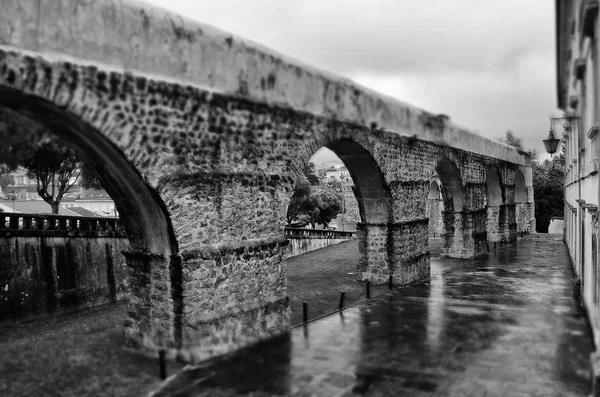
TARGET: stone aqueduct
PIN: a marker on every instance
(198, 136)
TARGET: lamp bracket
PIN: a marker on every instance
(566, 121)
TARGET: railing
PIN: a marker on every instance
(49, 224)
(346, 301)
(298, 233)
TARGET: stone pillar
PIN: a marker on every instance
(373, 247)
(465, 236)
(409, 253)
(233, 295)
(398, 249)
(523, 211)
(501, 223)
(434, 211)
(510, 221)
(495, 224)
(150, 315)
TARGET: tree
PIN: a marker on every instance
(329, 205)
(55, 169)
(548, 184)
(301, 202)
(88, 177)
(18, 135)
(313, 204)
(309, 172)
(54, 166)
(6, 180)
(511, 139)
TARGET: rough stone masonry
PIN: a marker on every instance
(198, 136)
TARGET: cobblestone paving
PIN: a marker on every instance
(497, 326)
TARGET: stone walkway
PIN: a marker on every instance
(497, 326)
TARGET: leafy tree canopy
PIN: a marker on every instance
(6, 180)
(548, 184)
(511, 139)
(329, 205)
(313, 204)
(309, 172)
(54, 166)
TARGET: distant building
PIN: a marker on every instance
(32, 207)
(578, 94)
(339, 178)
(96, 201)
(84, 212)
(24, 187)
(339, 174)
(556, 226)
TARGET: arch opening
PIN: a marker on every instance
(347, 170)
(496, 216)
(143, 215)
(522, 207)
(453, 193)
(373, 196)
(435, 210)
(494, 192)
(520, 188)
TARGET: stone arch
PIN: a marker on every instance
(435, 208)
(434, 191)
(520, 188)
(373, 195)
(154, 248)
(496, 227)
(453, 201)
(493, 184)
(522, 205)
(451, 180)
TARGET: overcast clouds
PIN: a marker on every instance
(489, 65)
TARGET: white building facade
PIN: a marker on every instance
(578, 94)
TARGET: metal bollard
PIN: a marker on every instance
(391, 282)
(368, 289)
(162, 364)
(342, 296)
(305, 311)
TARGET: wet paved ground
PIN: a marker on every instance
(497, 326)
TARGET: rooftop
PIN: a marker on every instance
(32, 207)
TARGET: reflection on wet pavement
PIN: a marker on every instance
(500, 325)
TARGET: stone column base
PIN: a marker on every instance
(232, 296)
(150, 316)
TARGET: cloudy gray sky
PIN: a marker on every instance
(489, 65)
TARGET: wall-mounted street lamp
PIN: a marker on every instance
(568, 122)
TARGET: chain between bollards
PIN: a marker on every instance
(162, 364)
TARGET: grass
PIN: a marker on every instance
(318, 277)
(80, 354)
